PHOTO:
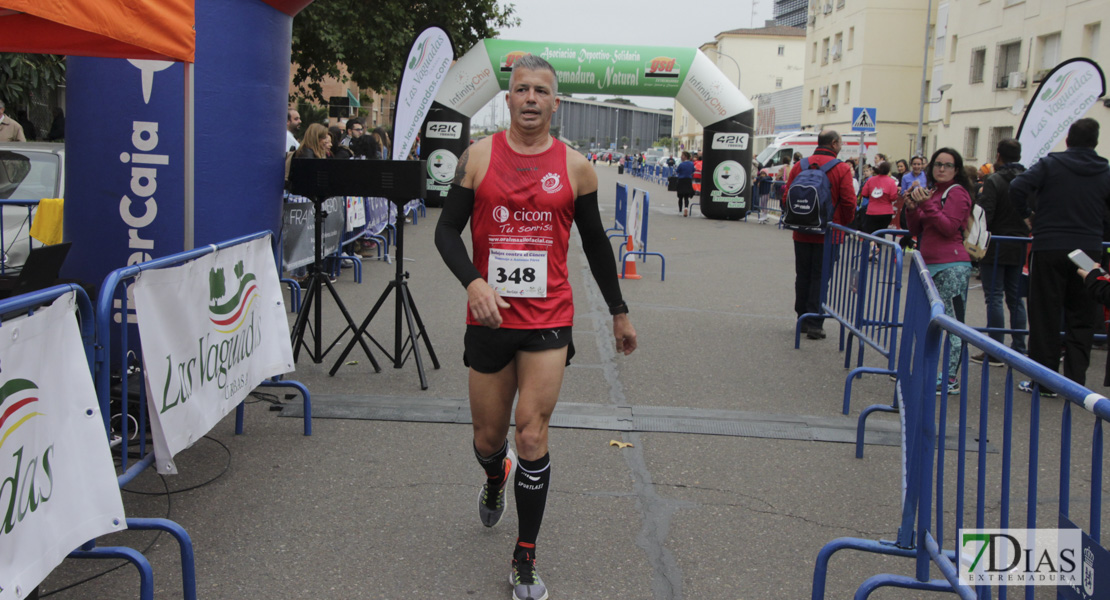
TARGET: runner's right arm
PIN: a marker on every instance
(484, 302)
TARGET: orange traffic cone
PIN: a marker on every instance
(630, 263)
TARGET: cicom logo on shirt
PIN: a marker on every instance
(500, 214)
(551, 183)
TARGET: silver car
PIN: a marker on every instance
(29, 172)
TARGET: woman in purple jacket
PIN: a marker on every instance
(937, 216)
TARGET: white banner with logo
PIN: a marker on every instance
(58, 485)
(425, 68)
(212, 330)
(1064, 96)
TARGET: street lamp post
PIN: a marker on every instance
(718, 53)
(924, 68)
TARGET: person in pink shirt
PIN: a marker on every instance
(880, 191)
(937, 215)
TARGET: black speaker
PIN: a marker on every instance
(323, 178)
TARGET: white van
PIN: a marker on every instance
(777, 157)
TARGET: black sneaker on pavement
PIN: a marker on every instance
(815, 332)
(491, 499)
(526, 582)
(978, 359)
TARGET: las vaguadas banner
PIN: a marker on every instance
(1064, 96)
(58, 486)
(212, 330)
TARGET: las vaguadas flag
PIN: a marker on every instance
(212, 330)
(1064, 96)
(58, 485)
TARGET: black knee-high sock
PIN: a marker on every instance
(493, 465)
(533, 477)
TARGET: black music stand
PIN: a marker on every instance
(399, 181)
(307, 180)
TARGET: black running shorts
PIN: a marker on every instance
(488, 350)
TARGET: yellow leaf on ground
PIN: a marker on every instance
(620, 444)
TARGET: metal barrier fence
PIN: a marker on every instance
(768, 199)
(26, 304)
(928, 479)
(15, 240)
(133, 421)
(863, 292)
(620, 213)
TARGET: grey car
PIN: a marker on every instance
(29, 172)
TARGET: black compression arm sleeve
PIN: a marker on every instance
(456, 212)
(598, 251)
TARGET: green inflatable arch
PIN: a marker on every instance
(685, 74)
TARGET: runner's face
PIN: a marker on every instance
(531, 98)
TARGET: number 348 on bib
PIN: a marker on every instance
(518, 273)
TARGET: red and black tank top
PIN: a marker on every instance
(520, 230)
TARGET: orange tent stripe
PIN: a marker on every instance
(124, 28)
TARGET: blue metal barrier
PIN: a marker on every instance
(620, 212)
(643, 233)
(928, 481)
(862, 290)
(114, 296)
(26, 304)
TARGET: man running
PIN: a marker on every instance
(520, 190)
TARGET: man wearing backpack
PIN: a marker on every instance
(1073, 196)
(809, 247)
(1002, 277)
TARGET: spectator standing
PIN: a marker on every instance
(903, 168)
(10, 130)
(338, 150)
(916, 177)
(685, 173)
(354, 131)
(809, 248)
(1000, 268)
(697, 172)
(880, 192)
(316, 143)
(937, 214)
(292, 124)
(57, 126)
(1072, 197)
(381, 138)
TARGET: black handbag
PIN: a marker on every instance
(672, 184)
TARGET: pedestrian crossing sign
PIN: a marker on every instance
(863, 119)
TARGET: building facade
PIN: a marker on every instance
(980, 62)
(760, 61)
(791, 13)
(623, 127)
(994, 56)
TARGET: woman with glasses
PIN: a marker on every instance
(937, 215)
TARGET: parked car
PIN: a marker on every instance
(29, 171)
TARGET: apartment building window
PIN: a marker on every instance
(834, 97)
(978, 64)
(782, 50)
(997, 135)
(1049, 53)
(778, 83)
(971, 143)
(825, 51)
(838, 42)
(952, 48)
(1009, 61)
(811, 96)
(851, 37)
(847, 92)
(814, 59)
(840, 4)
(1090, 38)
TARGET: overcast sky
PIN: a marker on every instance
(685, 24)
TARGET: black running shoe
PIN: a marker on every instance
(526, 582)
(491, 499)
